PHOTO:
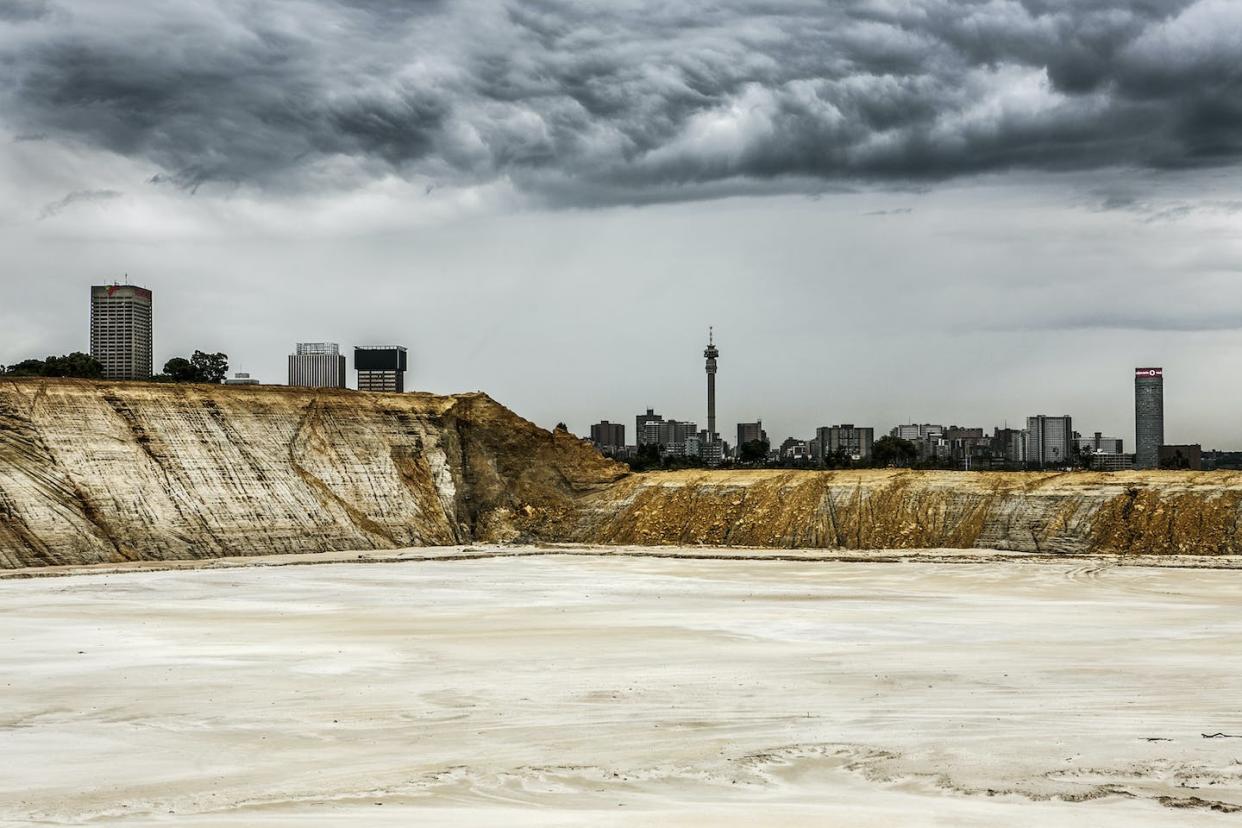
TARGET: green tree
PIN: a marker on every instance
(647, 457)
(27, 368)
(893, 451)
(211, 368)
(76, 364)
(200, 367)
(753, 451)
(179, 369)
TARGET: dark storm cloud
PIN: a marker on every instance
(77, 197)
(591, 102)
(19, 10)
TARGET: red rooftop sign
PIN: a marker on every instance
(1149, 372)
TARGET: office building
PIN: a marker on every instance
(380, 367)
(1009, 446)
(794, 449)
(1187, 456)
(241, 378)
(608, 437)
(928, 438)
(711, 451)
(852, 441)
(121, 330)
(750, 432)
(1148, 416)
(317, 365)
(642, 434)
(1098, 444)
(675, 434)
(1049, 440)
(916, 432)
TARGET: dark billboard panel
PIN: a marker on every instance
(379, 359)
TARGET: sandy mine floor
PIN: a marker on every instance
(577, 690)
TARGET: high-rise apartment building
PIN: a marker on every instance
(608, 436)
(121, 330)
(674, 434)
(1049, 440)
(853, 441)
(1009, 446)
(1148, 417)
(380, 367)
(317, 365)
(750, 432)
(643, 435)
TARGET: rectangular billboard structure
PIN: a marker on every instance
(379, 358)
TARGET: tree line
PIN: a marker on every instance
(199, 367)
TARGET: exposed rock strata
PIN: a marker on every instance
(1157, 513)
(95, 472)
(108, 472)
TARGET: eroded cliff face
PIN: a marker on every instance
(104, 472)
(94, 472)
(1127, 512)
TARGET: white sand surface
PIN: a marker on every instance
(584, 690)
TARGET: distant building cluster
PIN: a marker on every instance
(121, 340)
(1048, 441)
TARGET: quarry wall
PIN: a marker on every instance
(103, 472)
(94, 472)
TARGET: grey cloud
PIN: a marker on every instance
(76, 197)
(1153, 210)
(16, 11)
(584, 101)
(1178, 321)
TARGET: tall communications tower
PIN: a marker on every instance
(711, 353)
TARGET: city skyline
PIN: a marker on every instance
(398, 384)
(926, 211)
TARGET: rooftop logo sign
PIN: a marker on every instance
(1148, 372)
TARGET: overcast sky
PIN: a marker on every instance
(891, 210)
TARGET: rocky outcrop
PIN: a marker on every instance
(95, 472)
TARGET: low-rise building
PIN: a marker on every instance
(1188, 456)
(1110, 462)
(1098, 444)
